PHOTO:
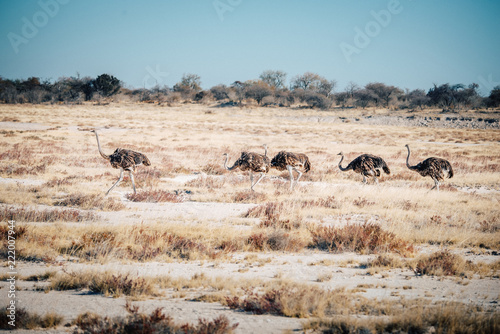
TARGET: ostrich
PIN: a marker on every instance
(253, 162)
(366, 165)
(291, 161)
(433, 167)
(124, 160)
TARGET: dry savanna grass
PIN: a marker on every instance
(446, 318)
(54, 174)
(29, 320)
(156, 322)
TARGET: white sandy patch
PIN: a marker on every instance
(342, 271)
(22, 126)
(160, 212)
(24, 182)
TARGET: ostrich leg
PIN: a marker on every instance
(290, 168)
(260, 178)
(119, 180)
(298, 178)
(132, 179)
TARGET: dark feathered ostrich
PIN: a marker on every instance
(366, 165)
(253, 162)
(433, 167)
(124, 160)
(291, 161)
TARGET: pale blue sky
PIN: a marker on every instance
(144, 42)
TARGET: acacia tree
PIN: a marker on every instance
(220, 92)
(382, 92)
(450, 96)
(189, 85)
(494, 98)
(258, 91)
(275, 79)
(364, 97)
(314, 83)
(418, 98)
(107, 85)
(351, 88)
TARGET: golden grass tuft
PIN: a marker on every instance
(48, 215)
(106, 283)
(156, 322)
(28, 320)
(443, 263)
(364, 238)
(91, 201)
(450, 318)
(155, 196)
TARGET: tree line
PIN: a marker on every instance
(270, 89)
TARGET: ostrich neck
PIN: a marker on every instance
(225, 163)
(408, 158)
(340, 163)
(99, 147)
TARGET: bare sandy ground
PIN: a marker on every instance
(343, 270)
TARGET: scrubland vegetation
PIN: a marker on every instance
(311, 90)
(53, 182)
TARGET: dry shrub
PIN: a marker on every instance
(271, 215)
(27, 320)
(299, 301)
(450, 318)
(267, 303)
(19, 231)
(98, 244)
(248, 196)
(277, 224)
(209, 182)
(408, 205)
(387, 261)
(362, 202)
(492, 226)
(105, 283)
(270, 211)
(442, 263)
(91, 246)
(156, 322)
(364, 238)
(40, 277)
(24, 155)
(68, 180)
(277, 240)
(155, 196)
(328, 202)
(47, 215)
(150, 244)
(93, 201)
(22, 170)
(213, 169)
(150, 177)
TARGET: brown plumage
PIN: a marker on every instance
(253, 162)
(433, 167)
(366, 165)
(291, 161)
(124, 160)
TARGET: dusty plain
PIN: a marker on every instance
(231, 242)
